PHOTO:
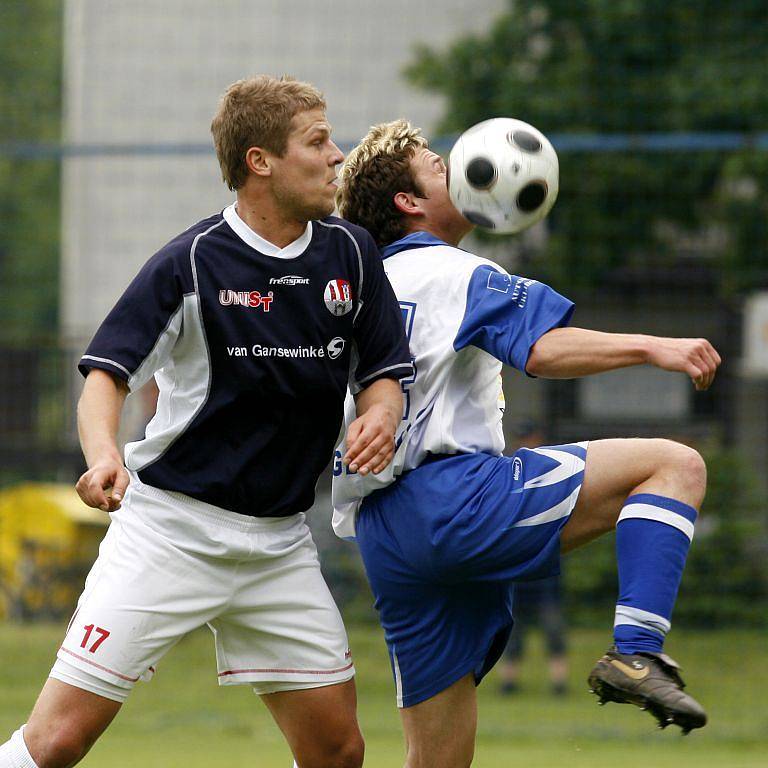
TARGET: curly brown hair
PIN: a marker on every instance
(374, 172)
(257, 112)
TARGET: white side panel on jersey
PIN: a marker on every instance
(183, 383)
(160, 352)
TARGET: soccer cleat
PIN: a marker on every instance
(650, 681)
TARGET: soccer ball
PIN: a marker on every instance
(503, 175)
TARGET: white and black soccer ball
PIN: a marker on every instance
(503, 175)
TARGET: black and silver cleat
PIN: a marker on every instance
(650, 681)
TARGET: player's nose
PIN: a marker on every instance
(337, 156)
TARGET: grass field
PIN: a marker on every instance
(183, 719)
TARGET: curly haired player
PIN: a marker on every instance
(451, 524)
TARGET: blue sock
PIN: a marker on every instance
(653, 535)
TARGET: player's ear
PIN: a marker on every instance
(258, 161)
(406, 203)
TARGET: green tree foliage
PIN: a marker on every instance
(30, 110)
(630, 67)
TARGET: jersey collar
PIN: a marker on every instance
(414, 240)
(256, 241)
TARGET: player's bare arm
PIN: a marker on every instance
(371, 436)
(98, 419)
(565, 353)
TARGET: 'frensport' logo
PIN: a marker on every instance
(338, 297)
(253, 299)
(289, 280)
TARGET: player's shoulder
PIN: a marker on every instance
(173, 260)
(466, 261)
(178, 250)
(447, 262)
(346, 229)
(183, 242)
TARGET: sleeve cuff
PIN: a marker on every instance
(562, 322)
(398, 371)
(88, 362)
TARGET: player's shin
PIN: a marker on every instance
(652, 539)
(653, 534)
(14, 753)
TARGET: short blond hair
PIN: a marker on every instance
(257, 112)
(373, 173)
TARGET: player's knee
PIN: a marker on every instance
(62, 747)
(690, 472)
(435, 757)
(352, 752)
(347, 752)
(694, 471)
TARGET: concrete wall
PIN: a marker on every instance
(149, 72)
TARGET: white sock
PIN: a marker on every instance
(14, 753)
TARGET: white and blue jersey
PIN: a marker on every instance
(464, 317)
(449, 527)
(252, 348)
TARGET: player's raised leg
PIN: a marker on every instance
(617, 468)
(320, 725)
(440, 732)
(651, 491)
(65, 723)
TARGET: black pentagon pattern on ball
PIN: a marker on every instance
(531, 196)
(525, 140)
(480, 173)
(478, 219)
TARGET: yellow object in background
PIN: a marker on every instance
(48, 541)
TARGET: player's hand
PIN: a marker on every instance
(695, 357)
(103, 485)
(371, 440)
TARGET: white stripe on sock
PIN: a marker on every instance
(638, 618)
(649, 512)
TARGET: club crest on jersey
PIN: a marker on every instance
(338, 297)
(253, 299)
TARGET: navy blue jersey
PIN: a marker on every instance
(252, 348)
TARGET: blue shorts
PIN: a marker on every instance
(443, 546)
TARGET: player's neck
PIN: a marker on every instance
(267, 221)
(446, 234)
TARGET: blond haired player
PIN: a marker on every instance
(449, 526)
(250, 321)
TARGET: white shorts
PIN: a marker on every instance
(170, 564)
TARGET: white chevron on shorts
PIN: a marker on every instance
(568, 465)
(562, 509)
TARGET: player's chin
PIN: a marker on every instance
(321, 209)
